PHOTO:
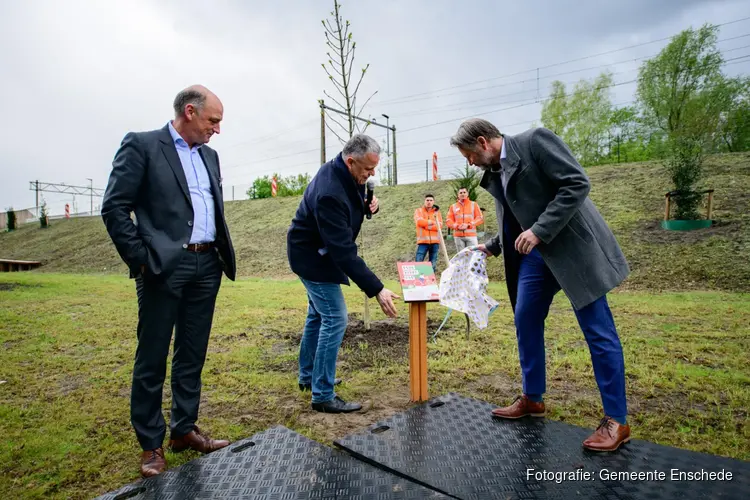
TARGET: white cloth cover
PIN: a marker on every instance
(463, 286)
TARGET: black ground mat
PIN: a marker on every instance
(277, 464)
(452, 444)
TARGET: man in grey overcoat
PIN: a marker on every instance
(552, 237)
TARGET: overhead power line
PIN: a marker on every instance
(534, 79)
(521, 104)
(552, 65)
(600, 67)
(518, 103)
(452, 107)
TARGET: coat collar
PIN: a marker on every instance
(510, 163)
(511, 159)
(350, 185)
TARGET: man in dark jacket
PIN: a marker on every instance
(177, 249)
(322, 251)
(552, 238)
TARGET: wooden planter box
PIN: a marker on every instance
(687, 225)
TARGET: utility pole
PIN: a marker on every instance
(427, 170)
(91, 192)
(392, 128)
(322, 132)
(395, 169)
(37, 199)
(388, 147)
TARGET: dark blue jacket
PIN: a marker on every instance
(321, 241)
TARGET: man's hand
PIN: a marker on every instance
(463, 226)
(373, 205)
(385, 299)
(482, 248)
(430, 224)
(526, 242)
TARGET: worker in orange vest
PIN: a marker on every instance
(429, 222)
(463, 218)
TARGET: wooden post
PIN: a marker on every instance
(366, 315)
(666, 209)
(418, 351)
(710, 204)
(418, 340)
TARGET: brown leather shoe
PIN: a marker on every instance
(153, 462)
(196, 441)
(521, 407)
(608, 436)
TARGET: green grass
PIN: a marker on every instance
(630, 196)
(68, 339)
(68, 344)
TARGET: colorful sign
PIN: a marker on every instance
(418, 282)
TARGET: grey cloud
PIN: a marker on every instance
(82, 75)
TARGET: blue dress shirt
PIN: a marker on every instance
(199, 186)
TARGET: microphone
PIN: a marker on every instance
(370, 191)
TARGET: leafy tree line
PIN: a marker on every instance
(685, 108)
(292, 185)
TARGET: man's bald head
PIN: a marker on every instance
(196, 96)
(198, 112)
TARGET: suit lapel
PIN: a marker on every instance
(208, 161)
(173, 159)
(213, 177)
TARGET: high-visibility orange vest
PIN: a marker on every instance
(421, 218)
(465, 213)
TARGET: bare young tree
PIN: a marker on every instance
(341, 62)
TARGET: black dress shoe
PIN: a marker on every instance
(308, 387)
(336, 405)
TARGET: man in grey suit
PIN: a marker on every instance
(176, 247)
(552, 237)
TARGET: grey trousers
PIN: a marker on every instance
(465, 241)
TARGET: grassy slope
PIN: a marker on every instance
(68, 343)
(631, 197)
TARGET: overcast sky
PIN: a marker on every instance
(78, 75)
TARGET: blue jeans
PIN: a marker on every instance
(536, 289)
(433, 249)
(324, 329)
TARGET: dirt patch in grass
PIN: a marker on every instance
(379, 406)
(386, 341)
(12, 285)
(498, 388)
(652, 232)
(277, 363)
(382, 334)
(69, 384)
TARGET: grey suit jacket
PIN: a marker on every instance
(147, 178)
(547, 192)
